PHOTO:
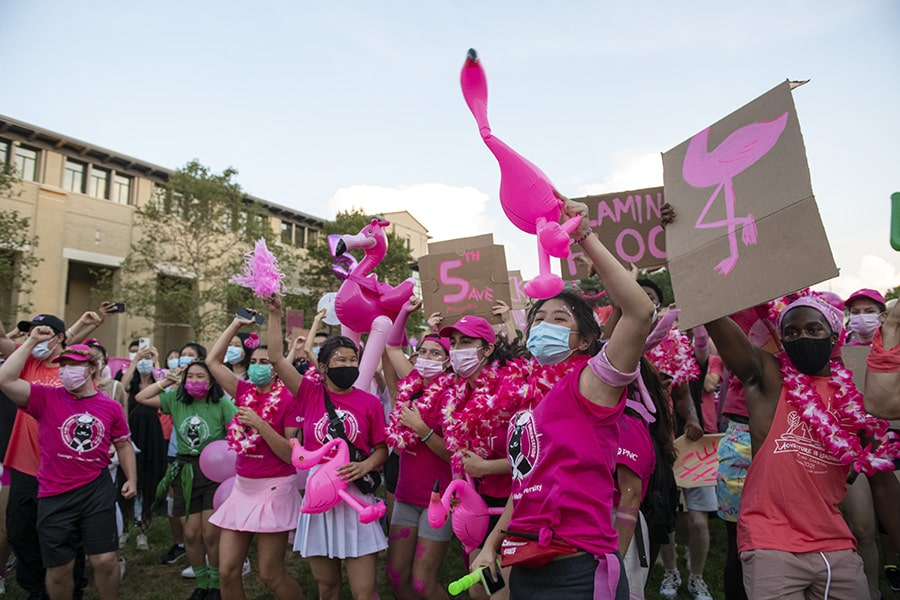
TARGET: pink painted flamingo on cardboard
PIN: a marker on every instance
(471, 513)
(325, 488)
(734, 155)
(527, 196)
(365, 305)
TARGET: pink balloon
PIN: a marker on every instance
(222, 492)
(217, 461)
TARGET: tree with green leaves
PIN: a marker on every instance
(318, 279)
(17, 254)
(192, 238)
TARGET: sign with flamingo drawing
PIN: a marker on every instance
(747, 227)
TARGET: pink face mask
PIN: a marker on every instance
(72, 377)
(196, 389)
(464, 362)
(429, 369)
(864, 325)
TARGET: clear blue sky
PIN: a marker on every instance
(327, 104)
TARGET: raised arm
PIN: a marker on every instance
(285, 370)
(215, 360)
(742, 358)
(882, 391)
(88, 322)
(16, 388)
(392, 348)
(7, 346)
(626, 343)
(149, 396)
(313, 330)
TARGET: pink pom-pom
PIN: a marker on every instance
(252, 341)
(261, 272)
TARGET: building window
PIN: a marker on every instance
(299, 236)
(286, 230)
(25, 161)
(73, 177)
(121, 189)
(4, 152)
(99, 183)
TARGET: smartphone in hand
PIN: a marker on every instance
(143, 343)
(247, 314)
(118, 307)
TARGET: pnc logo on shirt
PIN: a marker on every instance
(524, 446)
(82, 432)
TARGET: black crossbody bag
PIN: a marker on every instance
(369, 482)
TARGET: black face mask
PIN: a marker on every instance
(809, 355)
(343, 377)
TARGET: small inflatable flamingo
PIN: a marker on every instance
(344, 263)
(365, 305)
(528, 198)
(470, 516)
(734, 155)
(325, 488)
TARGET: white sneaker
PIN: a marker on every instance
(121, 568)
(123, 539)
(245, 569)
(697, 588)
(2, 585)
(188, 573)
(142, 543)
(671, 581)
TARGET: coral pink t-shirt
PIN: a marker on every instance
(24, 452)
(75, 435)
(793, 488)
(261, 461)
(563, 456)
(635, 451)
(360, 412)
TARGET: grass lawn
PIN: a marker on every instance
(146, 579)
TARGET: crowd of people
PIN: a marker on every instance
(564, 433)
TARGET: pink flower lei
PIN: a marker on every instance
(242, 438)
(471, 414)
(524, 382)
(401, 437)
(839, 436)
(674, 356)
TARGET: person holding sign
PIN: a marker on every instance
(415, 432)
(557, 532)
(789, 520)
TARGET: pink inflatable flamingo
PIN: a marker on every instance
(325, 488)
(734, 155)
(344, 263)
(528, 198)
(470, 516)
(365, 305)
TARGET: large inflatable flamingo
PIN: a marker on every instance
(471, 514)
(734, 155)
(528, 198)
(325, 488)
(365, 305)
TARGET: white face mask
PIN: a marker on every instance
(864, 325)
(429, 369)
(465, 361)
(73, 377)
(131, 355)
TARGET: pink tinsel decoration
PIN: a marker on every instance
(261, 272)
(252, 341)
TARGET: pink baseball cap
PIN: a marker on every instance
(76, 352)
(434, 337)
(473, 327)
(873, 295)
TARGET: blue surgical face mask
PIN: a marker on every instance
(145, 366)
(316, 350)
(172, 363)
(549, 343)
(42, 350)
(234, 355)
(184, 361)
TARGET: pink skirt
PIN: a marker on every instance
(266, 505)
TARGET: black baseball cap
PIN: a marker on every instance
(51, 321)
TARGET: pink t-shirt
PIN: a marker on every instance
(261, 461)
(563, 456)
(419, 469)
(635, 451)
(793, 488)
(360, 412)
(75, 436)
(497, 485)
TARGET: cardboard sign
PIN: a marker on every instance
(854, 358)
(520, 300)
(466, 276)
(697, 463)
(747, 227)
(628, 225)
(293, 319)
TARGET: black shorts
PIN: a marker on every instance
(202, 490)
(83, 517)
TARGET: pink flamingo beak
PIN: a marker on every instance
(437, 511)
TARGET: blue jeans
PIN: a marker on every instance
(566, 579)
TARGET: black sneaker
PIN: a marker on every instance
(213, 594)
(199, 594)
(892, 574)
(171, 557)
